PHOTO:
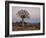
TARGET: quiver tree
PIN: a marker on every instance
(23, 14)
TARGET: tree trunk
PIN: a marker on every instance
(22, 21)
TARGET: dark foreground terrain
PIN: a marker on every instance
(19, 27)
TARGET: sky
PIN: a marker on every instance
(34, 14)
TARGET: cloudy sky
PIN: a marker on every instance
(34, 16)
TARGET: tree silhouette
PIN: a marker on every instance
(23, 14)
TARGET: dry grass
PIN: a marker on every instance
(19, 27)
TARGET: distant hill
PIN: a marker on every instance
(25, 23)
(21, 22)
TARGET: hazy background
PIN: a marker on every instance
(33, 11)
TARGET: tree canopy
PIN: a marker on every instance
(23, 13)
